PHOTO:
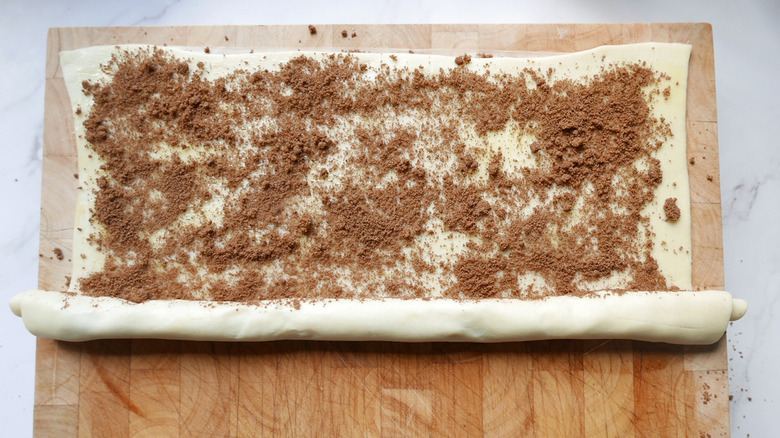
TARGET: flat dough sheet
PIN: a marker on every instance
(685, 317)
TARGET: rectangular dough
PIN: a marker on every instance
(685, 317)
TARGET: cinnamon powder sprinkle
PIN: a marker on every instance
(368, 184)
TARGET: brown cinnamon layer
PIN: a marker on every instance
(329, 179)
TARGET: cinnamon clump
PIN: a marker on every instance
(367, 183)
(671, 210)
(463, 60)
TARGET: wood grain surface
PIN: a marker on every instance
(307, 388)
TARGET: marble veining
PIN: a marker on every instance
(742, 197)
(747, 116)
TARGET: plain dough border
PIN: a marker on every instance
(675, 317)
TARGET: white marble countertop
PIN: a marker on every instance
(747, 41)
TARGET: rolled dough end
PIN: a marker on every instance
(738, 309)
(16, 304)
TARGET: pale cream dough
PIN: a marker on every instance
(681, 317)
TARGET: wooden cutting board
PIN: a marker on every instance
(305, 388)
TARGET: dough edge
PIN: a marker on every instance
(686, 317)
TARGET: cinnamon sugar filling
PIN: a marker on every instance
(325, 178)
